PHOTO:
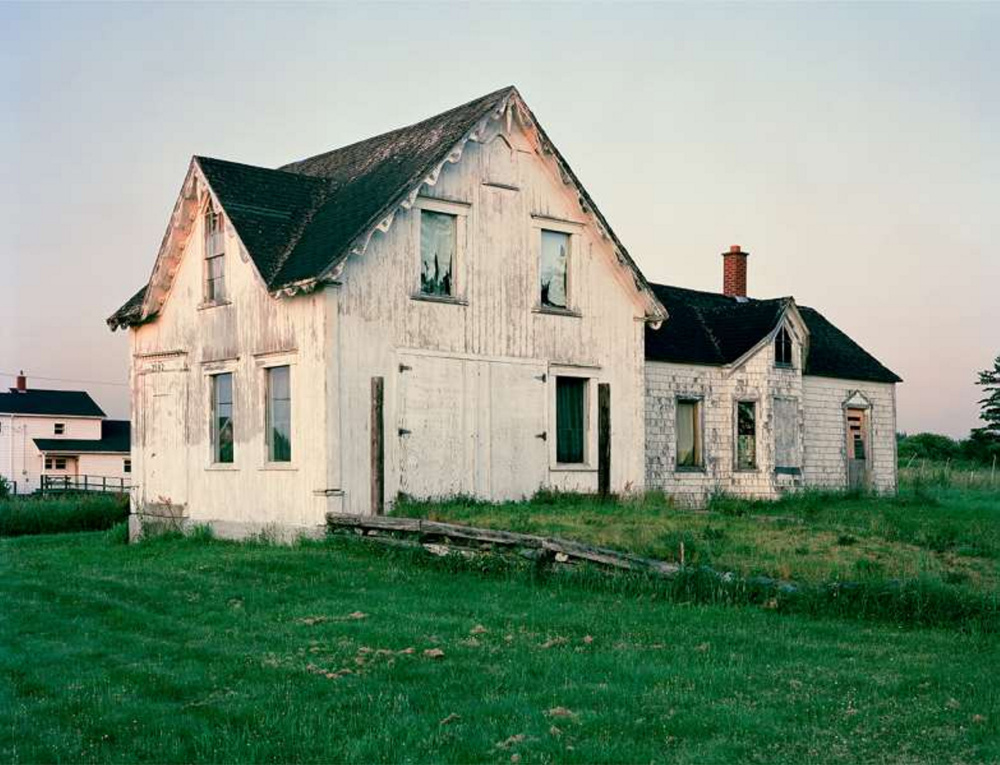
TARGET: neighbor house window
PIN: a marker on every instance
(746, 435)
(783, 348)
(59, 428)
(48, 463)
(279, 415)
(570, 418)
(215, 257)
(126, 465)
(55, 463)
(786, 435)
(438, 238)
(222, 417)
(689, 443)
(555, 253)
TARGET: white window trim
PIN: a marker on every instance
(210, 206)
(699, 398)
(211, 369)
(591, 375)
(264, 364)
(458, 269)
(755, 400)
(573, 229)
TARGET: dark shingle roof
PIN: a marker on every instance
(66, 403)
(302, 219)
(710, 328)
(116, 437)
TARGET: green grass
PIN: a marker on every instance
(934, 533)
(58, 514)
(194, 650)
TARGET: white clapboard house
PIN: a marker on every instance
(439, 310)
(61, 439)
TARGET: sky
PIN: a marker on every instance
(852, 149)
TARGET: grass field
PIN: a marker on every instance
(194, 650)
(936, 531)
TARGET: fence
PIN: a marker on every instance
(100, 483)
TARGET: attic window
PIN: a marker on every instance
(59, 428)
(552, 268)
(215, 252)
(783, 348)
(438, 237)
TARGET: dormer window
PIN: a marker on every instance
(783, 348)
(215, 256)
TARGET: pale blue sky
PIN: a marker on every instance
(854, 150)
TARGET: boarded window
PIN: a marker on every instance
(555, 253)
(438, 237)
(126, 465)
(59, 428)
(689, 442)
(783, 348)
(215, 262)
(570, 418)
(222, 418)
(746, 435)
(786, 434)
(279, 415)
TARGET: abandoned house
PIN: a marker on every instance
(755, 397)
(440, 310)
(60, 439)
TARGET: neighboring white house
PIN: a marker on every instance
(756, 397)
(63, 435)
(439, 310)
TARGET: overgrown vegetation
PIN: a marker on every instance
(193, 650)
(59, 514)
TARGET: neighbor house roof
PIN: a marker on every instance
(715, 329)
(116, 437)
(301, 221)
(64, 403)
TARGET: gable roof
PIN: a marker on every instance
(300, 222)
(715, 329)
(116, 438)
(58, 403)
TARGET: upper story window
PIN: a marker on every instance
(127, 465)
(222, 417)
(59, 428)
(552, 269)
(690, 453)
(279, 415)
(215, 256)
(438, 243)
(783, 348)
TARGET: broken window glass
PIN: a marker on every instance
(570, 418)
(437, 252)
(689, 447)
(279, 415)
(555, 251)
(746, 435)
(222, 418)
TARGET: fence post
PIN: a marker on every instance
(84, 483)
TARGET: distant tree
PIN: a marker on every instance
(928, 446)
(989, 381)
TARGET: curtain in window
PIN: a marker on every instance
(437, 252)
(569, 419)
(555, 249)
(688, 450)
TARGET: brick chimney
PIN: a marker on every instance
(22, 382)
(734, 272)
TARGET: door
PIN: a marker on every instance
(162, 439)
(518, 439)
(857, 448)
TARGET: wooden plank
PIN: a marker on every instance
(378, 446)
(382, 523)
(604, 439)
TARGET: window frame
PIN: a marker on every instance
(737, 467)
(269, 459)
(783, 339)
(213, 443)
(700, 464)
(585, 450)
(572, 229)
(209, 295)
(460, 211)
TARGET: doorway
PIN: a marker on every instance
(858, 453)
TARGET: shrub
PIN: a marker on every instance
(53, 515)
